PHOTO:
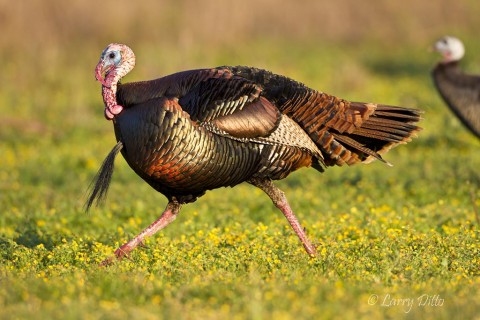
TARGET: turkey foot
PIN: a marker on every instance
(119, 254)
(112, 111)
(170, 213)
(280, 201)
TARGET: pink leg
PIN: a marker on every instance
(165, 219)
(280, 201)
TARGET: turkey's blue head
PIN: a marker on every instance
(115, 62)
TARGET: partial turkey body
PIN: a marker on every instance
(198, 130)
(460, 91)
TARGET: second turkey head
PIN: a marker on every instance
(450, 48)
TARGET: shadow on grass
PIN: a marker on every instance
(30, 236)
(7, 246)
(393, 67)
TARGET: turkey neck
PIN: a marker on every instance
(109, 95)
(109, 92)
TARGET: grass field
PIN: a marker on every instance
(393, 242)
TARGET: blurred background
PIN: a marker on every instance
(48, 49)
(186, 24)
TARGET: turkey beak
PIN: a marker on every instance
(103, 69)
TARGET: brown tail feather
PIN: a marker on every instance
(387, 127)
(352, 132)
(345, 140)
(395, 124)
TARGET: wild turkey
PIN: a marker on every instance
(199, 130)
(460, 91)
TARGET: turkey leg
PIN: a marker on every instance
(168, 215)
(280, 201)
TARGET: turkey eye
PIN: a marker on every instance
(111, 55)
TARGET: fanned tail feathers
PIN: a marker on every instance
(385, 128)
(101, 182)
(352, 132)
(388, 127)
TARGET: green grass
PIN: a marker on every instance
(385, 235)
